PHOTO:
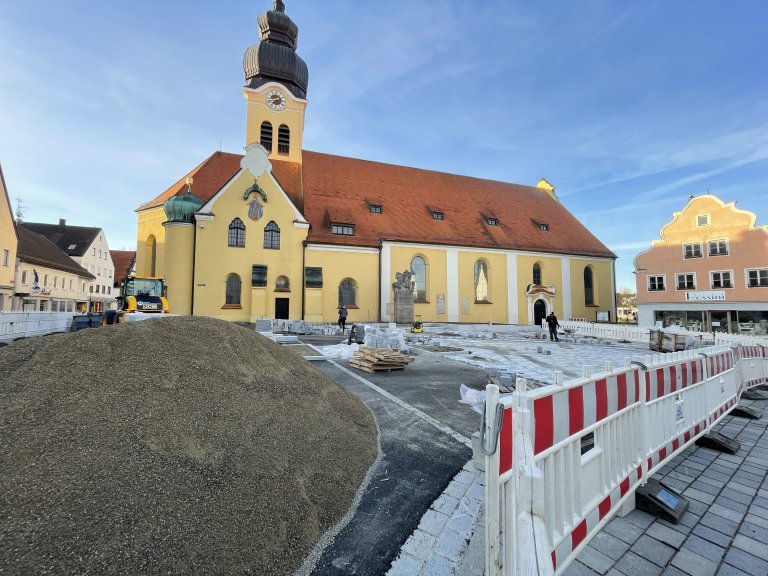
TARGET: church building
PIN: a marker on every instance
(283, 232)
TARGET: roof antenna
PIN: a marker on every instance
(19, 210)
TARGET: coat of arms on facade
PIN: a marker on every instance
(255, 208)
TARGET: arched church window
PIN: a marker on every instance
(266, 135)
(536, 273)
(481, 281)
(589, 293)
(419, 269)
(236, 237)
(272, 236)
(233, 290)
(283, 139)
(348, 292)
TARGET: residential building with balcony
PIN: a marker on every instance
(707, 272)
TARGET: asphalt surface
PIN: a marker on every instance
(419, 455)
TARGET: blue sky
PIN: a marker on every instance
(626, 107)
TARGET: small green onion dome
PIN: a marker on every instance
(182, 208)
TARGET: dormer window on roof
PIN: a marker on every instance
(544, 227)
(343, 229)
(492, 221)
(437, 215)
(375, 208)
(72, 246)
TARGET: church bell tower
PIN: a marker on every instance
(275, 89)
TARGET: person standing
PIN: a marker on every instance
(342, 317)
(553, 326)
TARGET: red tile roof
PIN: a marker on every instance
(331, 189)
(210, 176)
(123, 261)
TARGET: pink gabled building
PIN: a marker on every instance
(707, 272)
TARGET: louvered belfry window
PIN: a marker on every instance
(266, 136)
(283, 139)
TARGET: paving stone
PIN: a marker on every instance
(653, 550)
(756, 520)
(751, 546)
(420, 545)
(461, 523)
(704, 548)
(719, 523)
(706, 487)
(433, 522)
(437, 566)
(716, 475)
(633, 565)
(595, 560)
(639, 518)
(712, 535)
(665, 534)
(698, 508)
(758, 511)
(445, 504)
(609, 545)
(693, 564)
(405, 565)
(728, 570)
(699, 495)
(754, 531)
(450, 544)
(679, 527)
(576, 568)
(711, 481)
(623, 530)
(726, 511)
(752, 565)
(672, 571)
(743, 489)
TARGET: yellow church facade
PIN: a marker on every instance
(282, 232)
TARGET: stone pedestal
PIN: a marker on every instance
(404, 287)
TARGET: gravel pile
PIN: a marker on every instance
(175, 446)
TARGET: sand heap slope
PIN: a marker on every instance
(175, 446)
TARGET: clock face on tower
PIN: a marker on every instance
(276, 100)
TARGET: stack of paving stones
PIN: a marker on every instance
(440, 541)
(723, 532)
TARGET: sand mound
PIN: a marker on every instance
(175, 446)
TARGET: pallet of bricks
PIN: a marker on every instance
(379, 360)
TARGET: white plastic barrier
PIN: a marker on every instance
(563, 459)
(612, 331)
(15, 325)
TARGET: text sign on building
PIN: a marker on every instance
(710, 296)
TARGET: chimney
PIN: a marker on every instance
(62, 224)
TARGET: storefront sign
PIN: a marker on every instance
(711, 296)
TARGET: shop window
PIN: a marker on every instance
(692, 250)
(757, 278)
(537, 273)
(685, 281)
(589, 291)
(258, 276)
(348, 292)
(313, 277)
(266, 136)
(233, 290)
(718, 247)
(481, 281)
(236, 236)
(419, 269)
(721, 279)
(656, 283)
(272, 236)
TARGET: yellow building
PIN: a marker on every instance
(282, 232)
(8, 242)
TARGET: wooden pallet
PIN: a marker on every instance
(379, 360)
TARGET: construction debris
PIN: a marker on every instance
(379, 360)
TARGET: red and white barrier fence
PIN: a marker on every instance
(563, 459)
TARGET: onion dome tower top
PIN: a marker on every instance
(274, 58)
(182, 208)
